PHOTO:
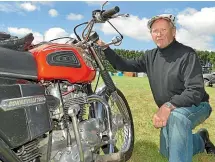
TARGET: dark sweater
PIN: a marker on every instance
(174, 73)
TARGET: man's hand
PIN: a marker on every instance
(161, 117)
(157, 122)
(102, 44)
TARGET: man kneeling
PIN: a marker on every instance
(176, 81)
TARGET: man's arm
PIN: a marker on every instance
(122, 64)
(193, 82)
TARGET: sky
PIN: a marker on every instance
(51, 19)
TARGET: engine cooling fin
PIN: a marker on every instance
(29, 152)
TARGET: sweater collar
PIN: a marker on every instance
(169, 48)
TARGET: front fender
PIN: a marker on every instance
(98, 107)
(101, 90)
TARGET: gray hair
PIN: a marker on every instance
(171, 24)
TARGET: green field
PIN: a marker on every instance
(143, 107)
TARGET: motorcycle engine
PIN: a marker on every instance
(71, 154)
(90, 131)
(91, 135)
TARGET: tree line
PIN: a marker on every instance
(204, 56)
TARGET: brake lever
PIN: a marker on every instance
(117, 41)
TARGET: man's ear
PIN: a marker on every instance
(174, 32)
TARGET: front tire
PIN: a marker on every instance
(129, 129)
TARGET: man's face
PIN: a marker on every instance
(162, 33)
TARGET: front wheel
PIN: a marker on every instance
(123, 131)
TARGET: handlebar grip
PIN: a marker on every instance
(108, 13)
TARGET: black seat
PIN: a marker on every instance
(15, 43)
(17, 64)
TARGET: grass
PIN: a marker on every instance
(143, 107)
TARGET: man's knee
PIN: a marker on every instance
(194, 115)
(178, 119)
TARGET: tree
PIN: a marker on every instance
(204, 56)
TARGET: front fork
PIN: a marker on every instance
(110, 86)
(109, 89)
(100, 112)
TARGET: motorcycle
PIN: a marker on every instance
(49, 110)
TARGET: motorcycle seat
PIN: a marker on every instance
(15, 43)
(17, 64)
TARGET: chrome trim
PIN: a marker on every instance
(14, 103)
(94, 98)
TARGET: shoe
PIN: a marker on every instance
(209, 146)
